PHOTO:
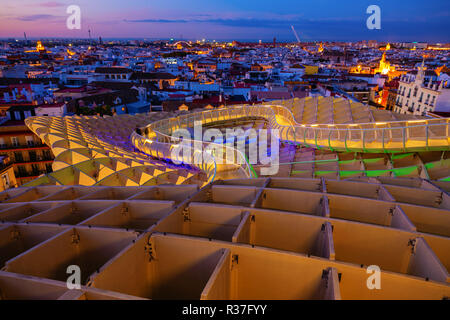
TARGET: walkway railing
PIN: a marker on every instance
(373, 137)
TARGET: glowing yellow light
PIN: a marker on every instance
(417, 121)
(40, 46)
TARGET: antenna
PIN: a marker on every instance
(295, 33)
(25, 36)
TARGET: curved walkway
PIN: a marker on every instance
(371, 137)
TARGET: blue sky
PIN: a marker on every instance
(402, 20)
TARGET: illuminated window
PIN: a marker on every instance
(14, 141)
(5, 180)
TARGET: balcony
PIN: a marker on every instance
(35, 160)
(18, 147)
(5, 166)
(31, 174)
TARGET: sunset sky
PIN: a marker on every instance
(402, 20)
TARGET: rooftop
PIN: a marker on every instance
(257, 233)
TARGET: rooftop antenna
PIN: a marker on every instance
(296, 35)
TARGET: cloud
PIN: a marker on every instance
(162, 21)
(282, 22)
(37, 17)
(350, 28)
(51, 4)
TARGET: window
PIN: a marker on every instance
(32, 155)
(2, 143)
(27, 114)
(22, 171)
(47, 155)
(18, 156)
(34, 170)
(15, 141)
(30, 141)
(17, 115)
(124, 76)
(5, 180)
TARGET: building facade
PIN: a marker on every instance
(8, 178)
(29, 156)
(419, 94)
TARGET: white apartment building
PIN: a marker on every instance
(419, 95)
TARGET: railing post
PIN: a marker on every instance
(363, 139)
(304, 136)
(447, 129)
(404, 138)
(426, 135)
(329, 139)
(345, 140)
(315, 138)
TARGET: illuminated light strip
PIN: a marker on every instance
(417, 121)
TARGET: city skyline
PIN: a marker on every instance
(232, 20)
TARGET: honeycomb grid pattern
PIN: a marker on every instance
(313, 110)
(96, 151)
(99, 151)
(265, 238)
